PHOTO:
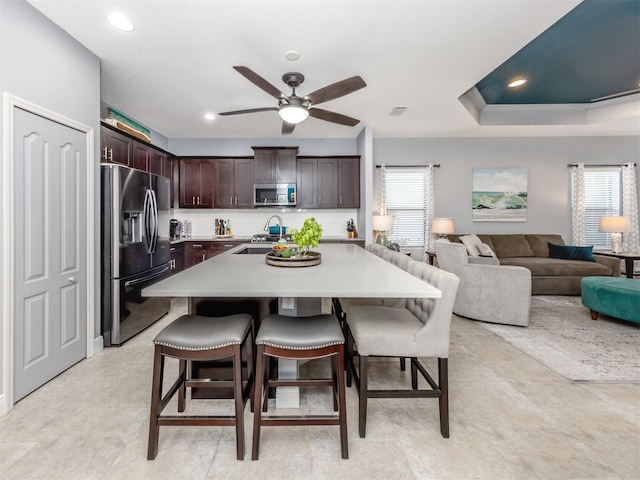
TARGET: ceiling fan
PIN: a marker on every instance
(294, 109)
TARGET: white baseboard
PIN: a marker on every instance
(98, 345)
(3, 405)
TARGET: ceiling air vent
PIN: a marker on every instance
(397, 111)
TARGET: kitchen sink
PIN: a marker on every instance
(253, 251)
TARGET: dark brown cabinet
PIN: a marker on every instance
(116, 147)
(141, 154)
(275, 164)
(198, 252)
(328, 182)
(234, 179)
(196, 183)
(177, 257)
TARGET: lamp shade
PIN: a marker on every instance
(443, 226)
(293, 113)
(614, 224)
(382, 222)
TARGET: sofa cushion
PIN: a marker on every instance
(571, 252)
(471, 242)
(557, 267)
(485, 250)
(539, 243)
(509, 246)
(483, 238)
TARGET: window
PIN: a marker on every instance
(406, 193)
(602, 199)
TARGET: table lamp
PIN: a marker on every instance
(615, 226)
(442, 227)
(381, 225)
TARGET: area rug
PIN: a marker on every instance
(562, 336)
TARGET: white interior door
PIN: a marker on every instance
(50, 295)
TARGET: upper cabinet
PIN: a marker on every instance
(328, 182)
(234, 179)
(141, 153)
(116, 147)
(275, 164)
(196, 183)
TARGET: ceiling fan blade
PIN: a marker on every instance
(256, 79)
(250, 110)
(336, 90)
(333, 117)
(287, 128)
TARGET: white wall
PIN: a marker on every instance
(545, 159)
(40, 63)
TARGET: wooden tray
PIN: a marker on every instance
(313, 258)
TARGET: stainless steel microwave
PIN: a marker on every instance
(274, 194)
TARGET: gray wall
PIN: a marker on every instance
(545, 158)
(42, 64)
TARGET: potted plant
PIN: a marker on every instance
(308, 236)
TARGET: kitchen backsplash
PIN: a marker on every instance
(249, 222)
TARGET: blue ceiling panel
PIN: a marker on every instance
(590, 53)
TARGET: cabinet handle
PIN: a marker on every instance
(226, 245)
(203, 257)
(236, 200)
(193, 200)
(340, 199)
(110, 155)
(172, 249)
(231, 200)
(104, 156)
(197, 246)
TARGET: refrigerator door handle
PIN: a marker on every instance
(147, 212)
(147, 278)
(154, 221)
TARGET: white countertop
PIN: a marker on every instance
(346, 271)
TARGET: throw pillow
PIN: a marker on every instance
(485, 250)
(571, 252)
(471, 242)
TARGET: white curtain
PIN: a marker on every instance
(630, 239)
(382, 194)
(430, 212)
(578, 206)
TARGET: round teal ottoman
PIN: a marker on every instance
(614, 296)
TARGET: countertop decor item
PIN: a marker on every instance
(308, 236)
(307, 260)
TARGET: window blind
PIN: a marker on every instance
(406, 195)
(602, 199)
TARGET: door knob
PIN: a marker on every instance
(72, 279)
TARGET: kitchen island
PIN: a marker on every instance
(346, 271)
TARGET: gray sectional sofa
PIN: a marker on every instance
(549, 276)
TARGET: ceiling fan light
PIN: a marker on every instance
(293, 113)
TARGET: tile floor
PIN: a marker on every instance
(511, 418)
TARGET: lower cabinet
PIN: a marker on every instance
(198, 252)
(177, 257)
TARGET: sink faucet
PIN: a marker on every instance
(266, 225)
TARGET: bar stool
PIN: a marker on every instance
(300, 338)
(197, 338)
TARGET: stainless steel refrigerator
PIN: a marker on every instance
(135, 249)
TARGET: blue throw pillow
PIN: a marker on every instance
(570, 252)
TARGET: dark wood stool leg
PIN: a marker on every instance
(335, 377)
(349, 353)
(403, 364)
(182, 391)
(342, 402)
(414, 373)
(364, 372)
(443, 380)
(156, 399)
(239, 400)
(261, 371)
(251, 364)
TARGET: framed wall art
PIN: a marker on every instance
(499, 195)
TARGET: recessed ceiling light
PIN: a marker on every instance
(120, 21)
(209, 116)
(292, 55)
(517, 82)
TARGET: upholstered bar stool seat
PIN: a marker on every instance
(198, 338)
(300, 338)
